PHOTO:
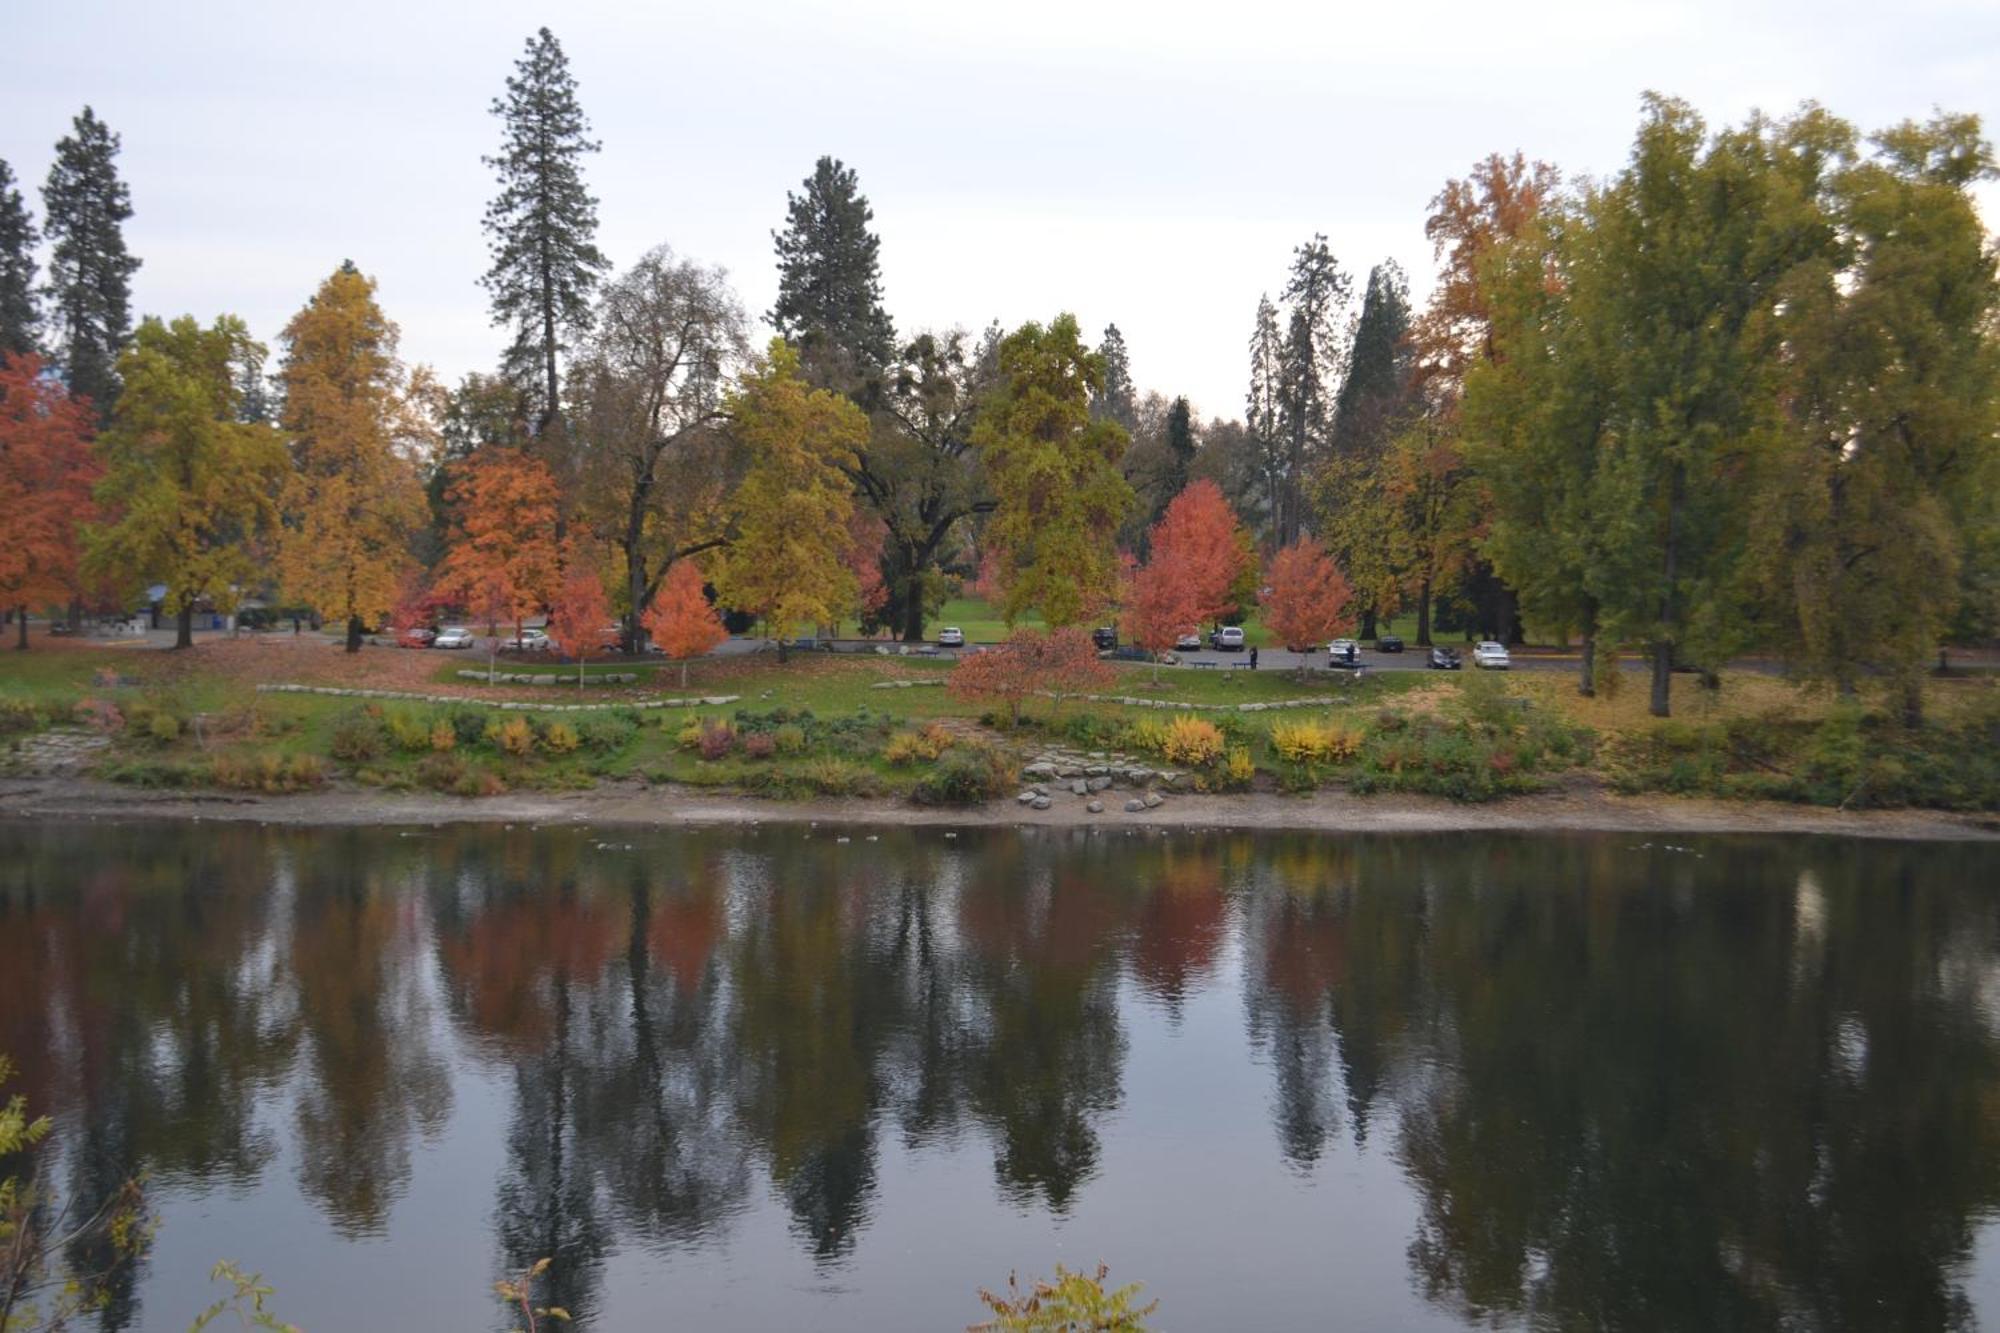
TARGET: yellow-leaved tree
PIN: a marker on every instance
(787, 562)
(354, 497)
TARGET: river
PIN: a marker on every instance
(842, 1078)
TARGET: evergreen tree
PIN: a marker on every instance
(830, 280)
(1310, 366)
(543, 223)
(18, 313)
(1377, 391)
(1116, 400)
(1263, 416)
(1180, 447)
(84, 207)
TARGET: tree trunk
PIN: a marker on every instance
(1424, 615)
(1663, 678)
(1586, 684)
(1913, 700)
(913, 612)
(21, 619)
(184, 627)
(354, 634)
(1368, 624)
(684, 673)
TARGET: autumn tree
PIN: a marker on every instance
(1160, 606)
(1199, 544)
(647, 393)
(865, 535)
(503, 561)
(542, 225)
(1054, 473)
(47, 471)
(785, 562)
(1428, 511)
(579, 614)
(353, 500)
(188, 489)
(1469, 217)
(84, 209)
(20, 314)
(1058, 661)
(829, 304)
(1311, 365)
(681, 620)
(1309, 601)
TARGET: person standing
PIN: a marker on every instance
(1253, 658)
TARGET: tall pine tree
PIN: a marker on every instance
(830, 280)
(84, 207)
(1117, 401)
(543, 223)
(1377, 391)
(1180, 447)
(1261, 416)
(1309, 371)
(18, 313)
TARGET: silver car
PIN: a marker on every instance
(454, 637)
(1491, 656)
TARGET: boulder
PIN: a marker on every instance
(1095, 807)
(1097, 783)
(1134, 806)
(1079, 787)
(1152, 800)
(1041, 803)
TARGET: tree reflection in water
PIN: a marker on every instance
(1623, 1084)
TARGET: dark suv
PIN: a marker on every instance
(1389, 643)
(1105, 637)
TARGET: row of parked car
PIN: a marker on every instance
(528, 641)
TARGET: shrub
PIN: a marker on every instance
(1193, 742)
(717, 738)
(607, 732)
(560, 738)
(829, 776)
(442, 771)
(443, 737)
(359, 736)
(100, 715)
(468, 724)
(1305, 742)
(268, 771)
(1148, 734)
(687, 733)
(790, 738)
(759, 745)
(515, 736)
(966, 775)
(19, 715)
(908, 747)
(1240, 769)
(410, 731)
(163, 728)
(152, 773)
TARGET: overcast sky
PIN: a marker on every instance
(1148, 164)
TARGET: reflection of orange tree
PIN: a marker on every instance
(373, 1076)
(504, 961)
(1181, 923)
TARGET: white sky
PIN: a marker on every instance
(1150, 164)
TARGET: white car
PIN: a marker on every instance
(1344, 653)
(1189, 642)
(951, 636)
(1229, 639)
(532, 641)
(1490, 656)
(454, 637)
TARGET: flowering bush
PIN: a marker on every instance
(1192, 741)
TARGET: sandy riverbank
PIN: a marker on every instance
(633, 804)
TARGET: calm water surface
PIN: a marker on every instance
(785, 1078)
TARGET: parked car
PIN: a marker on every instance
(951, 636)
(1389, 643)
(1490, 656)
(416, 636)
(1189, 642)
(1443, 659)
(1228, 639)
(1130, 652)
(531, 641)
(454, 637)
(1105, 637)
(1344, 654)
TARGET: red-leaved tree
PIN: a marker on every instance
(46, 475)
(681, 620)
(1159, 608)
(1309, 600)
(1199, 544)
(865, 534)
(1061, 661)
(502, 563)
(580, 614)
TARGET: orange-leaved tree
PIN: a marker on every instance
(47, 471)
(1059, 661)
(1199, 544)
(1160, 606)
(1309, 600)
(502, 561)
(681, 619)
(353, 499)
(580, 614)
